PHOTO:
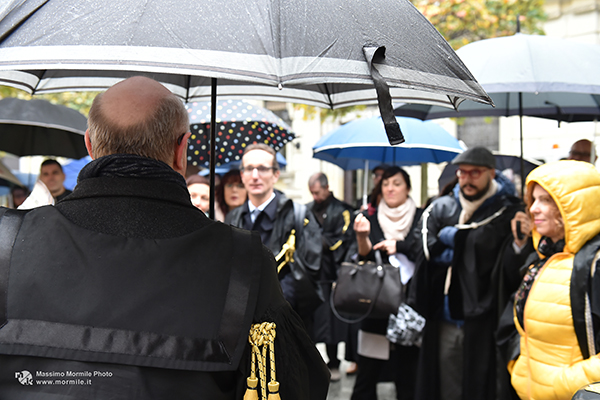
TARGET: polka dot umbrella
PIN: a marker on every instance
(239, 124)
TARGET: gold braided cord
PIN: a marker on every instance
(262, 336)
(336, 245)
(272, 354)
(287, 251)
(346, 215)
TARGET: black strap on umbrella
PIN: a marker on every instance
(392, 129)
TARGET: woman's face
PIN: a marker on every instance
(235, 194)
(546, 216)
(394, 190)
(200, 195)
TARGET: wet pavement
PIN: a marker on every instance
(342, 390)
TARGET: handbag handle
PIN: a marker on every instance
(380, 274)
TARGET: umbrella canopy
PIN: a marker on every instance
(364, 139)
(7, 178)
(327, 53)
(239, 124)
(530, 75)
(558, 79)
(324, 53)
(38, 127)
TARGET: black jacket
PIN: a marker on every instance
(308, 245)
(337, 234)
(152, 208)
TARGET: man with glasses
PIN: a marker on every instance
(468, 236)
(289, 229)
(125, 290)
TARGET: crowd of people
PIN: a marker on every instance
(127, 274)
(471, 249)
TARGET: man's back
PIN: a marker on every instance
(147, 300)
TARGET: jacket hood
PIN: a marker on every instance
(575, 188)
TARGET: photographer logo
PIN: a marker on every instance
(25, 378)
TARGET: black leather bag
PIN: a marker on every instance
(369, 289)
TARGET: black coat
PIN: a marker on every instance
(308, 245)
(157, 206)
(337, 236)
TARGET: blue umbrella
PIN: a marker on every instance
(350, 145)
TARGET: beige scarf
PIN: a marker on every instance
(396, 222)
(469, 207)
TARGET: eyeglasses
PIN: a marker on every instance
(262, 170)
(180, 138)
(473, 174)
(238, 185)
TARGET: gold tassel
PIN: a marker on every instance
(252, 389)
(262, 335)
(287, 251)
(273, 391)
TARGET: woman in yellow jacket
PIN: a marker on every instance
(555, 309)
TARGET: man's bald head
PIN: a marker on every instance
(581, 150)
(137, 116)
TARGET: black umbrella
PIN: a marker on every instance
(38, 127)
(324, 53)
(329, 53)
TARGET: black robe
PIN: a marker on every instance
(148, 201)
(336, 221)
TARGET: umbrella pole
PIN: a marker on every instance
(521, 141)
(424, 182)
(365, 181)
(213, 147)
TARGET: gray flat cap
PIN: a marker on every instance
(476, 156)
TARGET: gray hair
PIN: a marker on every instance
(318, 177)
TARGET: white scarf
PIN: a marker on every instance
(469, 207)
(396, 222)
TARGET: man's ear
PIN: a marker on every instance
(180, 155)
(88, 144)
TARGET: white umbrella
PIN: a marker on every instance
(531, 75)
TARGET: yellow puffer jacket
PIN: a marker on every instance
(551, 365)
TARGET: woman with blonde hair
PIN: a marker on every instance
(557, 306)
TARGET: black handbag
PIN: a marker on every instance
(369, 289)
